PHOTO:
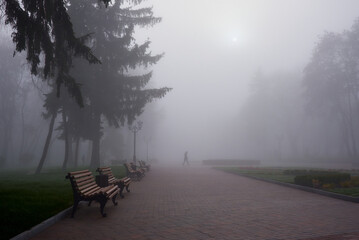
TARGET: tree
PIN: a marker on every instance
(332, 83)
(43, 28)
(10, 79)
(52, 107)
(270, 119)
(113, 90)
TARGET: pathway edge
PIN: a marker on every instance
(307, 189)
(42, 226)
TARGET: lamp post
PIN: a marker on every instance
(135, 128)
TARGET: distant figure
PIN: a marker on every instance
(185, 161)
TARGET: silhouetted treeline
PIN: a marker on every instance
(314, 114)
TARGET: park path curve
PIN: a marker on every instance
(202, 203)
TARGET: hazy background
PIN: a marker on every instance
(212, 51)
(236, 69)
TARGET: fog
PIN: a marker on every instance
(212, 52)
(239, 88)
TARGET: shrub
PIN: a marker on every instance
(304, 180)
(315, 183)
(316, 180)
(345, 184)
(295, 172)
(353, 182)
(298, 172)
(328, 186)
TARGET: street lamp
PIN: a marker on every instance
(135, 128)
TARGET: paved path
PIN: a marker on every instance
(202, 203)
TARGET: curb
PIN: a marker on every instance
(307, 189)
(42, 226)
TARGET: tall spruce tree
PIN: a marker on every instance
(111, 91)
(44, 30)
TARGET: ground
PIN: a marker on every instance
(202, 203)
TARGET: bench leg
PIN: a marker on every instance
(102, 202)
(114, 200)
(74, 208)
(121, 191)
(133, 176)
(127, 186)
(139, 176)
(89, 204)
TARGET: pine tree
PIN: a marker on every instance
(43, 29)
(110, 91)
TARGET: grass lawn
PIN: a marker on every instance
(27, 199)
(266, 173)
(278, 175)
(353, 191)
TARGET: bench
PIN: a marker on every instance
(122, 183)
(140, 169)
(84, 188)
(133, 173)
(144, 165)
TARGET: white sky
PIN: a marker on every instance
(209, 72)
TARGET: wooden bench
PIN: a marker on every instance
(133, 173)
(85, 188)
(140, 169)
(144, 165)
(122, 183)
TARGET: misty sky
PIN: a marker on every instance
(213, 48)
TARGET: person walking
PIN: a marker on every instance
(185, 161)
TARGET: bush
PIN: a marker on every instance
(295, 172)
(298, 172)
(345, 184)
(328, 186)
(353, 182)
(317, 180)
(304, 180)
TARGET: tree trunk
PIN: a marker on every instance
(5, 147)
(95, 156)
(89, 152)
(351, 127)
(77, 147)
(70, 161)
(345, 130)
(47, 143)
(21, 152)
(67, 142)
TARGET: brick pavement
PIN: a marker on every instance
(203, 203)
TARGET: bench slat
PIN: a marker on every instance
(78, 172)
(89, 189)
(93, 192)
(81, 188)
(91, 180)
(83, 180)
(113, 194)
(110, 189)
(77, 176)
